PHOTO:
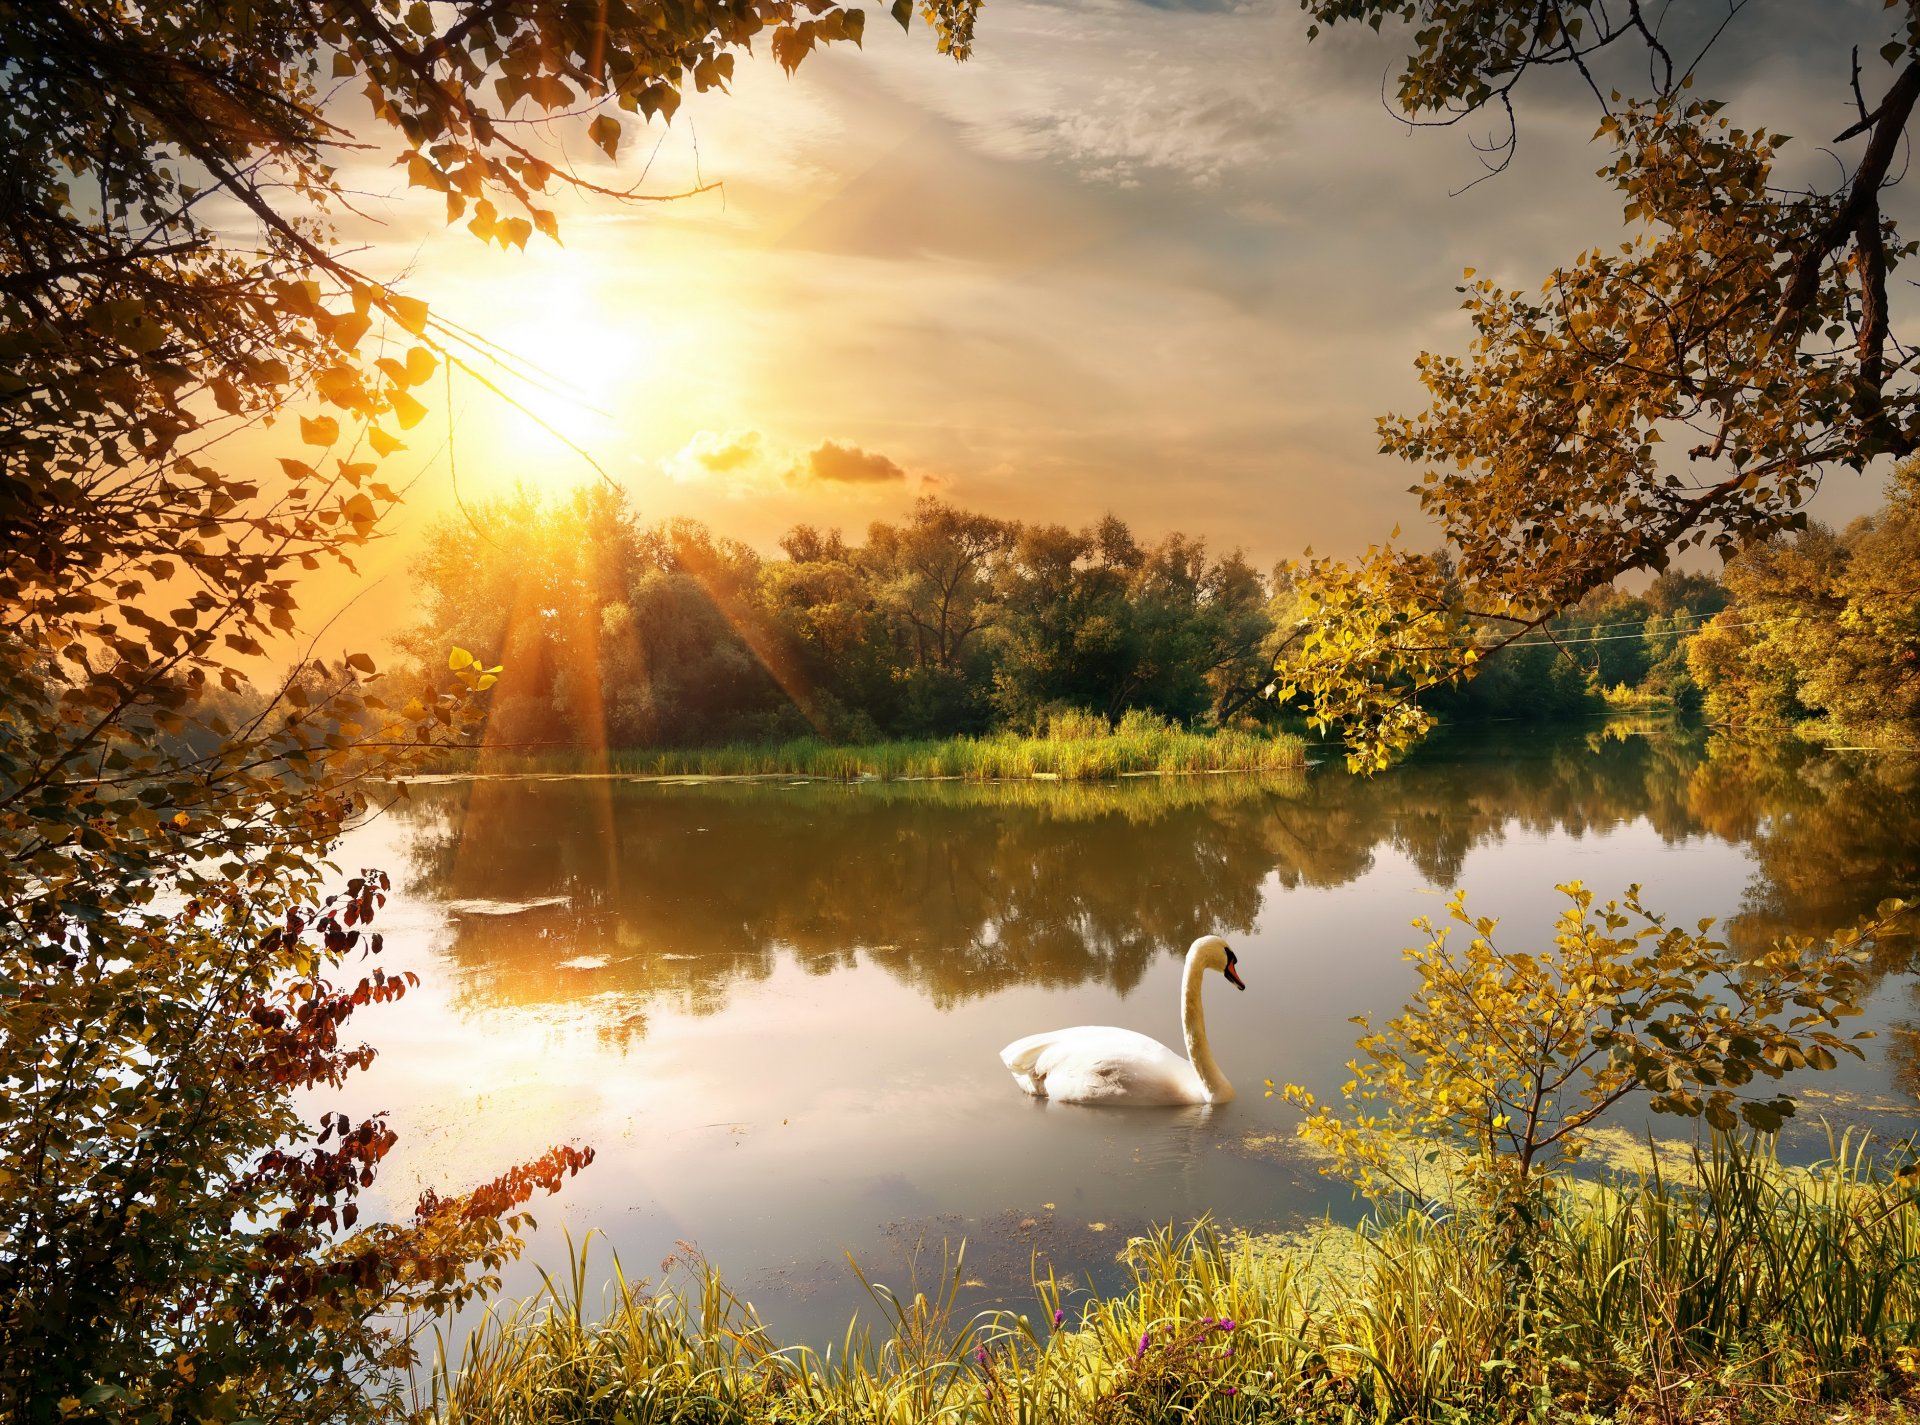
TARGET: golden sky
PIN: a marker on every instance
(1163, 260)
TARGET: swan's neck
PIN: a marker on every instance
(1193, 1023)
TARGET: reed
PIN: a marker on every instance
(1083, 751)
(1739, 1289)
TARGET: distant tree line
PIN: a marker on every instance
(953, 622)
(1815, 630)
(1612, 647)
(946, 622)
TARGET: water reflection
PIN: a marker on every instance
(873, 947)
(680, 893)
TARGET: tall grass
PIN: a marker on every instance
(1083, 749)
(1740, 1289)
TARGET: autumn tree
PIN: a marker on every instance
(1686, 385)
(1688, 388)
(175, 1243)
(1824, 626)
(1506, 1060)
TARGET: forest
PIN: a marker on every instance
(954, 623)
(946, 623)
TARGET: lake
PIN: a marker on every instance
(775, 1009)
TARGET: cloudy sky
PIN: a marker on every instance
(1167, 260)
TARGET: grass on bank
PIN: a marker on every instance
(1741, 1290)
(1076, 747)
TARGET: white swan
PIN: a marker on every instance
(1098, 1064)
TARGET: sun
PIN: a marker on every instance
(567, 363)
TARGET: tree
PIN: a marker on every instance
(941, 565)
(540, 586)
(822, 602)
(937, 574)
(174, 1242)
(1753, 321)
(1095, 620)
(1510, 1058)
(1824, 626)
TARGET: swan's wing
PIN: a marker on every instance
(1101, 1064)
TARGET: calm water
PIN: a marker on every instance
(775, 1009)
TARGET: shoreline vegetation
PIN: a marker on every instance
(1078, 751)
(1720, 1287)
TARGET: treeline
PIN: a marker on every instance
(1611, 649)
(951, 622)
(948, 622)
(1824, 629)
(1816, 632)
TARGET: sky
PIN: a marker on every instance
(1164, 259)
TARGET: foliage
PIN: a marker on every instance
(173, 1244)
(174, 1241)
(1095, 620)
(1752, 317)
(1722, 1285)
(1369, 639)
(1824, 627)
(1512, 1057)
(623, 636)
(1142, 743)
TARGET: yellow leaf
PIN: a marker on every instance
(459, 659)
(322, 430)
(406, 410)
(421, 364)
(410, 312)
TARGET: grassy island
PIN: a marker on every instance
(1086, 750)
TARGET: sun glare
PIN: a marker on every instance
(571, 366)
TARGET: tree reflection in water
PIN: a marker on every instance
(682, 891)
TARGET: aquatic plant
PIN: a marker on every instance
(1083, 751)
(1737, 1288)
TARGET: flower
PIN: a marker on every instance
(1059, 1317)
(1229, 1390)
(981, 1355)
(1146, 1340)
(1227, 1323)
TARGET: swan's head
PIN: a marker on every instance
(1212, 953)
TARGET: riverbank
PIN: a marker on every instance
(1726, 1288)
(1138, 746)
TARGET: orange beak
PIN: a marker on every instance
(1234, 975)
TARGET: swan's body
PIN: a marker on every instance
(1100, 1064)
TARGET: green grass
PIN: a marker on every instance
(1082, 753)
(1621, 698)
(1737, 1290)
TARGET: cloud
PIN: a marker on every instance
(736, 455)
(847, 465)
(1197, 92)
